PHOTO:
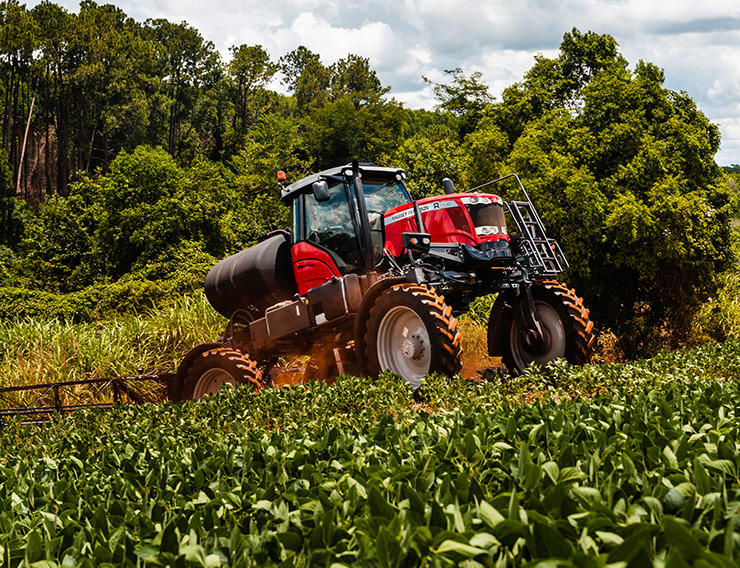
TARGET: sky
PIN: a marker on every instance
(697, 44)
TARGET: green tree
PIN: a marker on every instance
(18, 78)
(209, 123)
(146, 217)
(186, 63)
(487, 148)
(272, 145)
(312, 87)
(110, 106)
(430, 157)
(623, 172)
(250, 69)
(339, 131)
(150, 206)
(96, 80)
(732, 179)
(58, 246)
(294, 63)
(422, 121)
(56, 58)
(357, 121)
(353, 77)
(464, 97)
(11, 226)
(306, 77)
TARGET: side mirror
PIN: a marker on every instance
(321, 191)
(448, 185)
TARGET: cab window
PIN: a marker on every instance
(381, 196)
(329, 225)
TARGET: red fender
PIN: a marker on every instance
(312, 266)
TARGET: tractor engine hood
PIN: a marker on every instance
(455, 218)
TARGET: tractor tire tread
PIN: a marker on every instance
(249, 369)
(579, 337)
(579, 316)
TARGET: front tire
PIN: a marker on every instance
(216, 367)
(411, 332)
(567, 329)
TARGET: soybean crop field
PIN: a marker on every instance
(611, 465)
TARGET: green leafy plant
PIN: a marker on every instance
(588, 466)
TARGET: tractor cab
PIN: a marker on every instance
(338, 221)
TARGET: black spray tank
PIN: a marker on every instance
(253, 279)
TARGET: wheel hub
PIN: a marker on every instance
(403, 344)
(528, 346)
(413, 347)
(211, 382)
(533, 340)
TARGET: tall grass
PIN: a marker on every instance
(719, 318)
(35, 351)
(473, 326)
(39, 351)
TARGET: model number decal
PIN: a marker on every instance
(406, 213)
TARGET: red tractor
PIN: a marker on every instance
(370, 280)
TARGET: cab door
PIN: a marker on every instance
(326, 238)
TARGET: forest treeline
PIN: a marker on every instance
(134, 156)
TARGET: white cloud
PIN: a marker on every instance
(422, 98)
(505, 67)
(729, 153)
(423, 55)
(723, 94)
(374, 40)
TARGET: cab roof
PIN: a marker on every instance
(291, 191)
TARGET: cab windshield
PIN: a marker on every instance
(383, 195)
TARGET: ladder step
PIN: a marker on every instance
(537, 247)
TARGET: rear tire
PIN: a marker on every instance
(568, 331)
(411, 332)
(216, 367)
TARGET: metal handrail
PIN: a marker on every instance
(549, 260)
